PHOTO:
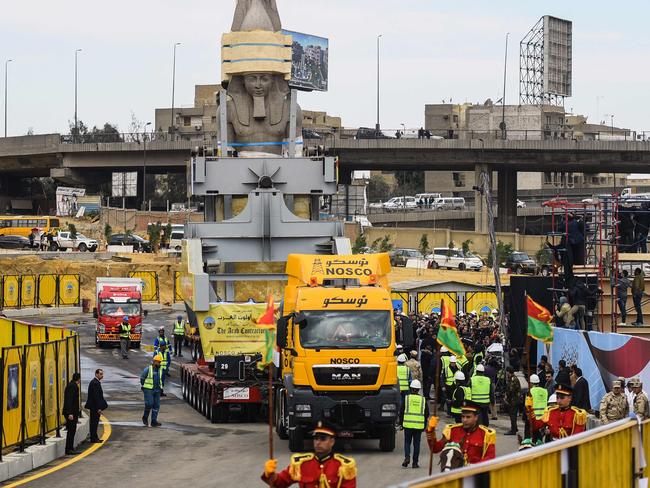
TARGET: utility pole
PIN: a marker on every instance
(378, 127)
(144, 168)
(76, 124)
(502, 126)
(6, 64)
(173, 85)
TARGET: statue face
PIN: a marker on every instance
(258, 84)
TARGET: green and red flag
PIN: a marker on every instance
(448, 333)
(267, 322)
(539, 321)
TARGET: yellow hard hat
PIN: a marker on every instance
(158, 357)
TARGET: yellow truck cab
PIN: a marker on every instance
(337, 342)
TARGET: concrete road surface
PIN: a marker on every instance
(188, 450)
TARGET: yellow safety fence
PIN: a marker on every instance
(36, 363)
(48, 290)
(607, 456)
(150, 288)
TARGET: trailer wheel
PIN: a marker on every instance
(387, 439)
(208, 402)
(296, 440)
(192, 392)
(183, 384)
(195, 356)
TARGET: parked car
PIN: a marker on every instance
(520, 262)
(444, 257)
(368, 133)
(176, 239)
(449, 203)
(14, 242)
(63, 240)
(399, 257)
(400, 203)
(139, 244)
(545, 263)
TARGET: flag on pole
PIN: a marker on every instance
(539, 321)
(447, 333)
(267, 322)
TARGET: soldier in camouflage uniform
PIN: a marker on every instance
(414, 365)
(614, 405)
(512, 398)
(641, 403)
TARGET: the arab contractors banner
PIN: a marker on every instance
(602, 357)
(230, 329)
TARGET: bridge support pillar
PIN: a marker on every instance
(507, 201)
(480, 207)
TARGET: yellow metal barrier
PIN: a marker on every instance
(150, 292)
(47, 288)
(28, 291)
(11, 291)
(178, 296)
(36, 363)
(605, 456)
(69, 290)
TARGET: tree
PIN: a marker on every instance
(167, 234)
(81, 133)
(382, 244)
(409, 182)
(465, 245)
(360, 243)
(73, 231)
(424, 245)
(503, 253)
(108, 232)
(154, 231)
(377, 188)
(451, 245)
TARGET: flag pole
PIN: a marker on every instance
(270, 366)
(437, 398)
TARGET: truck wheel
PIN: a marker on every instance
(281, 419)
(461, 267)
(183, 384)
(54, 247)
(387, 439)
(296, 440)
(83, 247)
(208, 403)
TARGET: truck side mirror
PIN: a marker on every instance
(407, 327)
(282, 332)
(299, 318)
(94, 312)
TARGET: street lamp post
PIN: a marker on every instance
(378, 127)
(76, 124)
(6, 64)
(174, 84)
(503, 100)
(144, 167)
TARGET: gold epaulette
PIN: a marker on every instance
(296, 462)
(547, 412)
(490, 435)
(446, 433)
(580, 416)
(348, 468)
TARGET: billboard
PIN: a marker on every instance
(309, 61)
(558, 56)
(125, 184)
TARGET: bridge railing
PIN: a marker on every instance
(609, 455)
(329, 136)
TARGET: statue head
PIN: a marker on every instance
(258, 84)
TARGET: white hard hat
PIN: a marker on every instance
(452, 359)
(534, 378)
(495, 311)
(480, 368)
(473, 312)
(399, 346)
(415, 384)
(461, 314)
(459, 375)
(444, 349)
(401, 358)
(552, 398)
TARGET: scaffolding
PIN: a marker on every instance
(609, 247)
(587, 260)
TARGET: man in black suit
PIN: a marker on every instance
(563, 377)
(71, 412)
(95, 403)
(581, 392)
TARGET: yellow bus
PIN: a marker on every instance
(22, 225)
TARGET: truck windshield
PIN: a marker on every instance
(120, 309)
(346, 329)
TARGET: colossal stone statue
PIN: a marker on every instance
(256, 15)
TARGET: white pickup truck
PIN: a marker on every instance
(63, 241)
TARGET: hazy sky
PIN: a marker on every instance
(431, 51)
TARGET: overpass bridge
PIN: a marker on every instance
(92, 158)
